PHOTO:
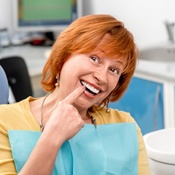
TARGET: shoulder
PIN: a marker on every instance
(13, 115)
(7, 109)
(112, 116)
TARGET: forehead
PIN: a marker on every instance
(107, 48)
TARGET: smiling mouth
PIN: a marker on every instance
(91, 89)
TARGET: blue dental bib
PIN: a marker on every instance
(109, 149)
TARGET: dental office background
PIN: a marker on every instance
(144, 18)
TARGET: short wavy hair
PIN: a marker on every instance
(83, 36)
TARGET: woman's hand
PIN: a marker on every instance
(65, 120)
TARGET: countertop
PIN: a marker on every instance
(163, 70)
(36, 58)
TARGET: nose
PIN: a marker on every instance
(100, 75)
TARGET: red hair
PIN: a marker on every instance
(83, 36)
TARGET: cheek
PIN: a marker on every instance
(112, 84)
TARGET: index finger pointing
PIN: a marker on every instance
(74, 95)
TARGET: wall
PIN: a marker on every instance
(144, 18)
(6, 14)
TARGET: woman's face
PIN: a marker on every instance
(97, 72)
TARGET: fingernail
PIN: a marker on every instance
(83, 87)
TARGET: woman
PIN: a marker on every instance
(91, 63)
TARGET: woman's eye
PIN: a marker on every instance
(114, 70)
(95, 59)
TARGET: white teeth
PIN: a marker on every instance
(91, 88)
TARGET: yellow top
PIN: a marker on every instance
(18, 116)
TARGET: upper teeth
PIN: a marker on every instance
(91, 88)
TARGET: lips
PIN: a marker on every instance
(90, 88)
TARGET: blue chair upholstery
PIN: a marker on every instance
(18, 77)
(4, 88)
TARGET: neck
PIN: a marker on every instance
(83, 113)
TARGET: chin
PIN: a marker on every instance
(82, 104)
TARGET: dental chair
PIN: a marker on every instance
(18, 77)
(4, 87)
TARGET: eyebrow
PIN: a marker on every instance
(118, 59)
